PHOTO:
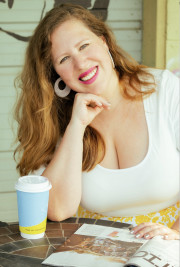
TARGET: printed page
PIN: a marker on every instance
(96, 246)
(157, 252)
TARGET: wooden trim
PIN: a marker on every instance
(154, 33)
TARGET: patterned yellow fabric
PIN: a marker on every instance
(167, 216)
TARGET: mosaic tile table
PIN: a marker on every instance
(19, 252)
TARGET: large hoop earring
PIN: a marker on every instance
(60, 88)
(111, 60)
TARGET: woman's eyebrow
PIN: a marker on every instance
(65, 53)
(83, 40)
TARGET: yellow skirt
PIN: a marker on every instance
(167, 216)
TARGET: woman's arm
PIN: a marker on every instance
(64, 173)
(65, 169)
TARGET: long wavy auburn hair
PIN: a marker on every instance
(41, 115)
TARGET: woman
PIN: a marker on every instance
(115, 123)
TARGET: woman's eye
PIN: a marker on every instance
(83, 46)
(63, 59)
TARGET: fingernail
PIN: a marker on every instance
(166, 237)
(138, 235)
(146, 236)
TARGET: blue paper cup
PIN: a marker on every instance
(32, 198)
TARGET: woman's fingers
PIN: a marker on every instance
(140, 227)
(173, 235)
(93, 101)
(149, 230)
(87, 106)
(146, 231)
(153, 231)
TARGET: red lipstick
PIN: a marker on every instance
(91, 80)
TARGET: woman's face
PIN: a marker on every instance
(81, 58)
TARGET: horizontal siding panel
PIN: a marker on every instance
(124, 25)
(7, 145)
(8, 90)
(130, 46)
(13, 47)
(24, 15)
(12, 53)
(129, 15)
(4, 72)
(20, 27)
(136, 55)
(24, 29)
(5, 121)
(8, 132)
(8, 207)
(7, 161)
(125, 4)
(7, 77)
(127, 35)
(6, 105)
(21, 11)
(5, 134)
(8, 60)
(8, 180)
(9, 175)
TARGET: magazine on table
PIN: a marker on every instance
(104, 246)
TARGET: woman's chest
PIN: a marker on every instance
(126, 139)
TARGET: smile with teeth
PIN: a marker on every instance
(90, 75)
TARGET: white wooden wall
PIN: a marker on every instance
(124, 16)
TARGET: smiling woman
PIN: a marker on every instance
(109, 138)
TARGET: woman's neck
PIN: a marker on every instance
(114, 91)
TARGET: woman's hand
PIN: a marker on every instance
(149, 230)
(87, 106)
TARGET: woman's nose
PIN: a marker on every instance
(80, 62)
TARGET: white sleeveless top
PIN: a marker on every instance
(153, 184)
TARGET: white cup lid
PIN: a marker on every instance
(33, 184)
